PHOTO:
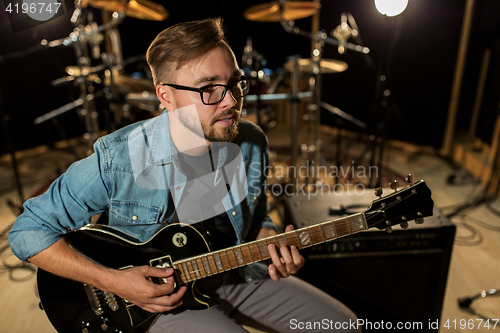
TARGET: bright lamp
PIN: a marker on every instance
(391, 7)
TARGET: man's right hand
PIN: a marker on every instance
(135, 285)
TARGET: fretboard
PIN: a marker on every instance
(241, 255)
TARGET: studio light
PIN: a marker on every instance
(391, 7)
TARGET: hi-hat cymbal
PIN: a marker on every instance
(270, 12)
(327, 66)
(141, 9)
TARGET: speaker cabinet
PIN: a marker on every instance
(396, 278)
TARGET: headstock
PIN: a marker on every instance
(413, 202)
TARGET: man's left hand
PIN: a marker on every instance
(286, 261)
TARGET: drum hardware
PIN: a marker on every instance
(294, 115)
(58, 111)
(254, 64)
(285, 12)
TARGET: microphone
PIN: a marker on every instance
(343, 32)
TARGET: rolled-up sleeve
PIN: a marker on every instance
(69, 203)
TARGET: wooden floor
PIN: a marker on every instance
(474, 264)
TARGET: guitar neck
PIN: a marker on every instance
(216, 262)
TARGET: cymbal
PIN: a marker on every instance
(270, 11)
(140, 9)
(327, 66)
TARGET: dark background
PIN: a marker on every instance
(420, 75)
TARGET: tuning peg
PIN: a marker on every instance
(419, 221)
(394, 185)
(409, 179)
(388, 230)
(404, 225)
(378, 192)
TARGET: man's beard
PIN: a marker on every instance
(229, 132)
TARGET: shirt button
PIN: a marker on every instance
(134, 218)
(177, 188)
(233, 213)
(255, 197)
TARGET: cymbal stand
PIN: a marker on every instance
(88, 110)
(294, 100)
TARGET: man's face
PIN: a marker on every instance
(219, 122)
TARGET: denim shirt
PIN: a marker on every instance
(122, 179)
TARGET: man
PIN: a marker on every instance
(151, 174)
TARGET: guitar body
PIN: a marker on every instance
(69, 304)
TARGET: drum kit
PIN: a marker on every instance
(286, 12)
(121, 91)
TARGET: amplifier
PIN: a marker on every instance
(396, 278)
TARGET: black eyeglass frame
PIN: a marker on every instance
(202, 89)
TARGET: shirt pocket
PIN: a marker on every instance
(133, 213)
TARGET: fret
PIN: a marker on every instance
(293, 239)
(254, 250)
(263, 249)
(357, 222)
(341, 227)
(225, 260)
(218, 262)
(316, 234)
(247, 254)
(232, 258)
(206, 265)
(179, 269)
(191, 269)
(304, 237)
(328, 230)
(281, 240)
(194, 271)
(186, 271)
(199, 264)
(239, 256)
(213, 265)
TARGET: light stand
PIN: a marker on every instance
(384, 107)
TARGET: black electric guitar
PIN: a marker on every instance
(76, 307)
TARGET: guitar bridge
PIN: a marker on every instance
(94, 301)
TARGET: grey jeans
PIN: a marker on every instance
(289, 305)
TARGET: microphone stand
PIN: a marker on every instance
(320, 38)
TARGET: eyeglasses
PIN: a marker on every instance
(214, 93)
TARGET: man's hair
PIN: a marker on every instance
(182, 43)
